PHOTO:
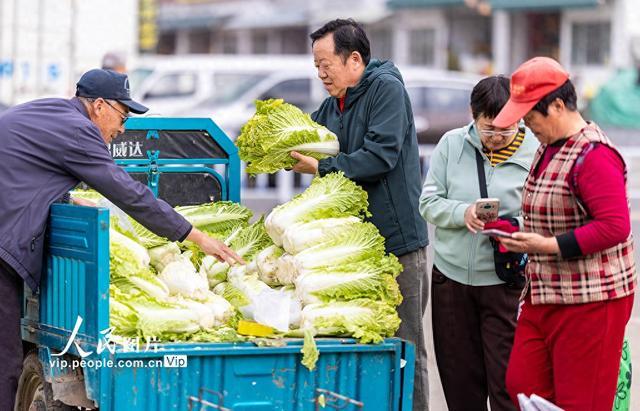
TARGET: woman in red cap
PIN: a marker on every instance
(581, 273)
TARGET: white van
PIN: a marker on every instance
(169, 85)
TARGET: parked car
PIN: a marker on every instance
(172, 84)
(230, 111)
(440, 99)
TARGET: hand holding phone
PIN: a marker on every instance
(496, 233)
(487, 209)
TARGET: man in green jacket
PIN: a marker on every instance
(370, 112)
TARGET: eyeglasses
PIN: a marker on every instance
(491, 133)
(124, 118)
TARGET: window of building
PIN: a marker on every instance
(543, 35)
(167, 42)
(294, 41)
(590, 43)
(259, 42)
(381, 43)
(199, 41)
(422, 46)
(229, 43)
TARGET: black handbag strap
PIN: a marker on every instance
(482, 179)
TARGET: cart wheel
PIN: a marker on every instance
(34, 393)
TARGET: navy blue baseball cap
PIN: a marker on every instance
(110, 85)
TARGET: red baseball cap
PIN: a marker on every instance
(533, 80)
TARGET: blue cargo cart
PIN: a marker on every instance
(184, 161)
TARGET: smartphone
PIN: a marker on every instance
(496, 233)
(487, 209)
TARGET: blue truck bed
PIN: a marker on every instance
(237, 377)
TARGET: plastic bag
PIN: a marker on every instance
(536, 403)
(622, 400)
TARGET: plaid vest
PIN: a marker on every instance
(550, 208)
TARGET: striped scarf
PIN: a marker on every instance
(498, 156)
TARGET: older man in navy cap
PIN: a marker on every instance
(47, 147)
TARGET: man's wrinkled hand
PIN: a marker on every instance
(214, 247)
(305, 164)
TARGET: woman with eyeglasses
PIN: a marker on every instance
(473, 310)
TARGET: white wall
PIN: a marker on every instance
(49, 53)
(588, 78)
(407, 20)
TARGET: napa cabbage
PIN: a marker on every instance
(216, 217)
(301, 236)
(275, 130)
(374, 279)
(266, 264)
(247, 244)
(361, 243)
(181, 278)
(366, 320)
(330, 196)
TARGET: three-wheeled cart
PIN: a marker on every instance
(184, 161)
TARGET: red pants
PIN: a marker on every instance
(569, 354)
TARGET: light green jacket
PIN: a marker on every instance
(452, 185)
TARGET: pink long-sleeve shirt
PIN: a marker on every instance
(600, 186)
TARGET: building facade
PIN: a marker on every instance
(592, 38)
(46, 45)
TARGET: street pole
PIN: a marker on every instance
(14, 53)
(38, 70)
(2, 36)
(72, 46)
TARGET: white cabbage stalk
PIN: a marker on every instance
(156, 321)
(364, 319)
(249, 287)
(361, 242)
(330, 196)
(182, 279)
(163, 255)
(301, 236)
(247, 243)
(309, 282)
(213, 310)
(206, 317)
(155, 288)
(266, 262)
(252, 268)
(286, 269)
(222, 309)
(213, 270)
(139, 252)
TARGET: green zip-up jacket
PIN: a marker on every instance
(452, 185)
(379, 151)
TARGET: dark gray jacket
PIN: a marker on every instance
(46, 148)
(379, 151)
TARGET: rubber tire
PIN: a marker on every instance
(34, 393)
